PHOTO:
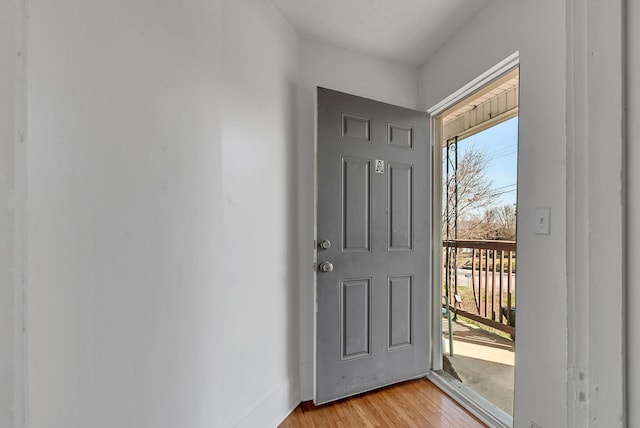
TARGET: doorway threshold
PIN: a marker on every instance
(473, 402)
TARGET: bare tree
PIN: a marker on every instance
(474, 188)
(497, 223)
(506, 219)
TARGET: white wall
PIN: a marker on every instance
(347, 71)
(164, 177)
(162, 283)
(537, 30)
(571, 318)
(7, 118)
(633, 213)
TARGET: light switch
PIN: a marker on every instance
(543, 219)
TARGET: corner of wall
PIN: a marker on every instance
(266, 411)
(13, 215)
(7, 212)
(596, 235)
(633, 211)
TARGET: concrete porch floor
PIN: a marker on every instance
(483, 361)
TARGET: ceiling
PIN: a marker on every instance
(502, 85)
(402, 30)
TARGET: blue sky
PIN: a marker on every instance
(501, 145)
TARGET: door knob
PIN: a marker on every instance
(325, 267)
(325, 244)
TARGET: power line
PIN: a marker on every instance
(492, 159)
(502, 150)
(503, 187)
(504, 192)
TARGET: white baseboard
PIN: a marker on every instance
(273, 406)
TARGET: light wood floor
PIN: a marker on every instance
(416, 403)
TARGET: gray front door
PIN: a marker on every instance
(373, 293)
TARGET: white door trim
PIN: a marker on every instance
(477, 408)
(507, 64)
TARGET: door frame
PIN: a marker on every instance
(474, 403)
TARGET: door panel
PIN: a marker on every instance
(356, 206)
(400, 311)
(372, 321)
(355, 315)
(400, 207)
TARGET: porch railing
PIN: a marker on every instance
(479, 280)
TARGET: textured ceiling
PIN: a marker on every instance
(403, 30)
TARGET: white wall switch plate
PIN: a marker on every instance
(543, 220)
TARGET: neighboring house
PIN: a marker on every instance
(156, 174)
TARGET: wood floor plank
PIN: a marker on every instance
(416, 403)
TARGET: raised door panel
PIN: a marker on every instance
(356, 205)
(400, 310)
(400, 207)
(355, 312)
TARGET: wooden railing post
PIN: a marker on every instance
(486, 279)
(509, 311)
(501, 280)
(493, 284)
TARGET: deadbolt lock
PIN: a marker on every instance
(325, 244)
(325, 267)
